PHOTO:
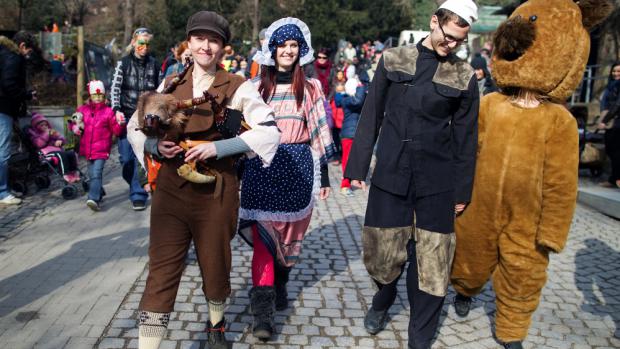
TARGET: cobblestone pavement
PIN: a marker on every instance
(331, 291)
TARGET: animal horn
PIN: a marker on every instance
(188, 103)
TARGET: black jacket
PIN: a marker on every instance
(13, 91)
(133, 76)
(424, 111)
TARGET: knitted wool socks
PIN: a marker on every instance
(152, 329)
(216, 311)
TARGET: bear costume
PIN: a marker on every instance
(525, 186)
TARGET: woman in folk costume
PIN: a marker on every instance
(205, 213)
(277, 201)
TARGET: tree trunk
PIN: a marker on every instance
(128, 21)
(255, 20)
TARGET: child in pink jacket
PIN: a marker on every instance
(100, 124)
(50, 142)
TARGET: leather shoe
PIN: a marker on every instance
(513, 345)
(375, 320)
(462, 304)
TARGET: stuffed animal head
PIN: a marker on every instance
(157, 112)
(544, 45)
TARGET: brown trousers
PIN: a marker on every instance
(180, 214)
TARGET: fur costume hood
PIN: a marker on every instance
(544, 45)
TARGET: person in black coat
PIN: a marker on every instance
(13, 97)
(422, 105)
(486, 84)
(135, 73)
(610, 111)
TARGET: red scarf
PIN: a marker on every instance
(323, 71)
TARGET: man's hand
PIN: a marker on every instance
(358, 184)
(168, 149)
(602, 126)
(459, 208)
(324, 193)
(201, 152)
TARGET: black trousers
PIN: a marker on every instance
(612, 148)
(425, 308)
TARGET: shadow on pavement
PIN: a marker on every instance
(596, 264)
(83, 257)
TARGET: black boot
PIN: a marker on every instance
(513, 345)
(375, 320)
(462, 304)
(216, 338)
(262, 306)
(280, 285)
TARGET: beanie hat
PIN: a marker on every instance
(465, 9)
(38, 118)
(478, 62)
(96, 87)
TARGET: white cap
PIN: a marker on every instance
(96, 87)
(466, 9)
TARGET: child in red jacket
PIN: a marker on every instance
(99, 124)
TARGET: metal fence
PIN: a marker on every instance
(584, 92)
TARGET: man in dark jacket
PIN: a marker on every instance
(135, 73)
(423, 101)
(13, 97)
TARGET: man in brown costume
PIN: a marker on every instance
(205, 213)
(525, 187)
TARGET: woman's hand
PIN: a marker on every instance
(324, 193)
(168, 149)
(201, 152)
(58, 143)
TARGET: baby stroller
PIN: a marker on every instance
(591, 144)
(29, 164)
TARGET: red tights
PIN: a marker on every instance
(263, 272)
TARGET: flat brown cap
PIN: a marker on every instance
(211, 21)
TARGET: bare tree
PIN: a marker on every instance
(128, 14)
(22, 4)
(76, 10)
(256, 19)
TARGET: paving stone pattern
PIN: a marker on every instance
(330, 292)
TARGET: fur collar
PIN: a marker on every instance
(9, 44)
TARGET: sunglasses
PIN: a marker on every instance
(322, 57)
(142, 43)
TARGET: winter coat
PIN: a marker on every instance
(13, 92)
(133, 76)
(99, 125)
(337, 113)
(44, 140)
(352, 107)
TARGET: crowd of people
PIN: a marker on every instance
(299, 109)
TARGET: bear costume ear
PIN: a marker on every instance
(594, 12)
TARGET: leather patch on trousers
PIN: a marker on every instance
(434, 254)
(385, 251)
